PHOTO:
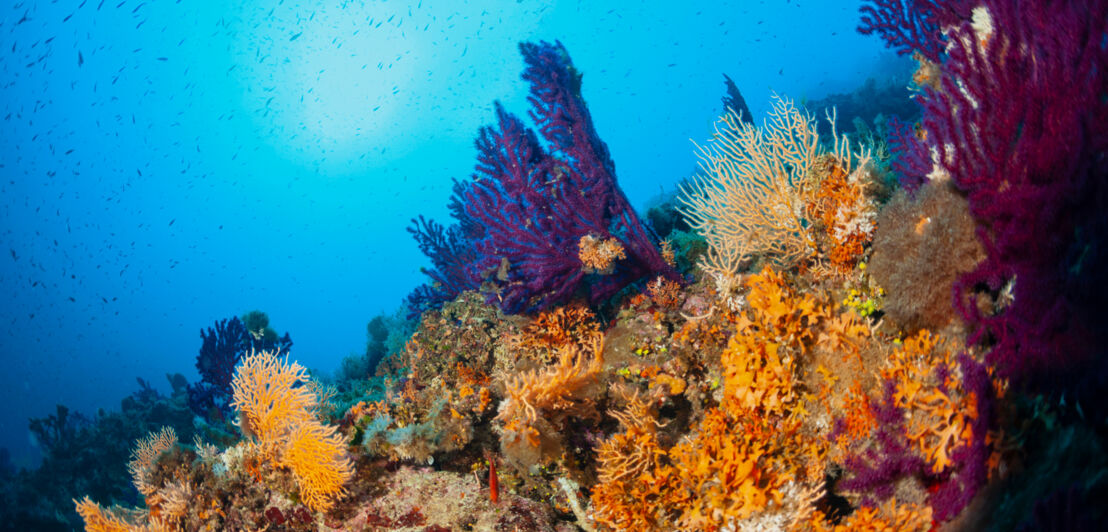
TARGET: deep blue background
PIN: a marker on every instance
(166, 164)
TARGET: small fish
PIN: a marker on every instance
(80, 58)
(294, 37)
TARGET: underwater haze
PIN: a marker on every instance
(169, 164)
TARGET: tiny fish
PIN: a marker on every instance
(294, 37)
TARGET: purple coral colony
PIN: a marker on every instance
(896, 333)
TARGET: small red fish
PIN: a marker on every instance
(494, 483)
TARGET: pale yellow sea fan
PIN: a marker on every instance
(750, 196)
(143, 455)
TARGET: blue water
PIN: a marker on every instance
(168, 164)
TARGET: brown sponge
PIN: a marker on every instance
(920, 248)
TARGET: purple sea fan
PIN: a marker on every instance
(911, 161)
(912, 25)
(524, 212)
(1020, 123)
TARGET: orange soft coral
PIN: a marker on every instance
(539, 400)
(760, 360)
(844, 213)
(728, 474)
(634, 480)
(939, 413)
(599, 255)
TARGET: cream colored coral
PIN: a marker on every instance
(143, 455)
(749, 198)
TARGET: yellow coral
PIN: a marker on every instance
(316, 455)
(281, 416)
(270, 403)
(750, 199)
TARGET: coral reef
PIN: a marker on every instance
(809, 374)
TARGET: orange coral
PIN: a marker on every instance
(555, 392)
(665, 293)
(635, 450)
(636, 485)
(890, 517)
(282, 418)
(760, 359)
(729, 474)
(845, 214)
(599, 255)
(554, 388)
(266, 394)
(561, 327)
(939, 415)
(316, 455)
(96, 520)
(668, 253)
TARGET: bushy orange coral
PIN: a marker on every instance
(561, 327)
(761, 358)
(665, 293)
(890, 517)
(844, 213)
(728, 474)
(721, 475)
(599, 255)
(634, 451)
(939, 414)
